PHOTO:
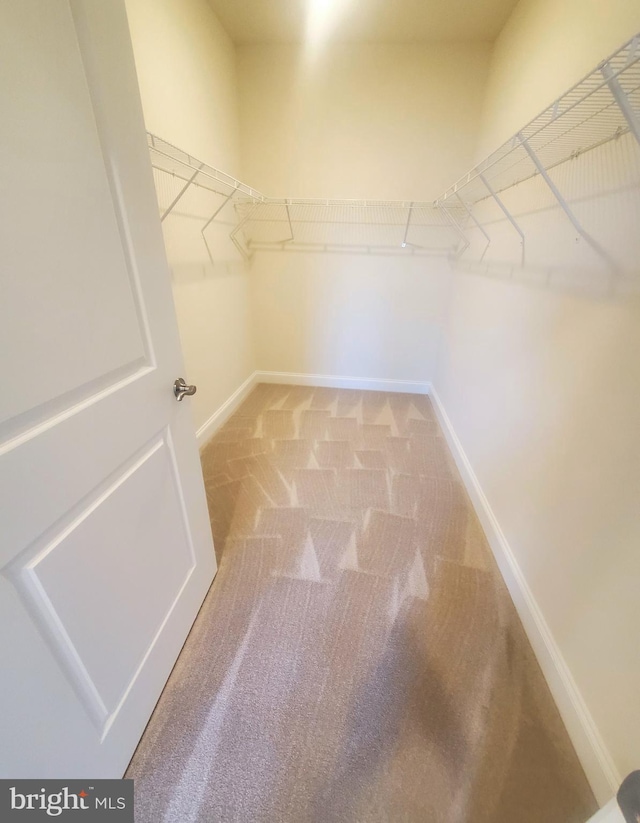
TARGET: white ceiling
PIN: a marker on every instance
(366, 21)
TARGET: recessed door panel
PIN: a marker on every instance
(68, 280)
(114, 572)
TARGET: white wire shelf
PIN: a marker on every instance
(368, 226)
(263, 223)
(168, 158)
(601, 107)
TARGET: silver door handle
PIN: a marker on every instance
(180, 388)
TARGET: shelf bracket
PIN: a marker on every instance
(564, 205)
(477, 224)
(171, 205)
(212, 218)
(406, 227)
(456, 227)
(236, 230)
(505, 211)
(289, 239)
(621, 98)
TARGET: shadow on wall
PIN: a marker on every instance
(602, 188)
(352, 315)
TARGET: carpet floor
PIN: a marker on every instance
(358, 657)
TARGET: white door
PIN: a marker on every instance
(105, 544)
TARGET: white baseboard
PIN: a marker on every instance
(337, 382)
(590, 748)
(221, 415)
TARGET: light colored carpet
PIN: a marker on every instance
(358, 657)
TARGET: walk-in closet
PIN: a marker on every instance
(332, 415)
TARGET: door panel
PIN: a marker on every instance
(104, 562)
(57, 211)
(106, 550)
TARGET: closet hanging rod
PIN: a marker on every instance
(410, 250)
(306, 205)
(394, 224)
(355, 204)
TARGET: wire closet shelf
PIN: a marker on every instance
(601, 107)
(364, 226)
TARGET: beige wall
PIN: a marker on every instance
(187, 73)
(362, 121)
(540, 371)
(348, 315)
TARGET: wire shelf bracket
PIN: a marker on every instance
(566, 208)
(289, 239)
(406, 226)
(236, 230)
(180, 165)
(464, 240)
(619, 94)
(226, 200)
(478, 225)
(182, 191)
(505, 211)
